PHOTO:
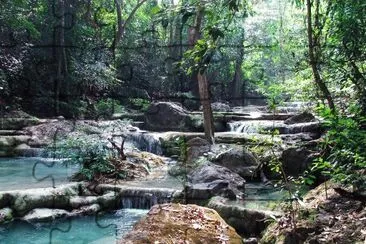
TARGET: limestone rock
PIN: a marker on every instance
(296, 160)
(244, 220)
(6, 215)
(239, 160)
(23, 201)
(78, 201)
(219, 107)
(165, 116)
(196, 147)
(203, 191)
(209, 180)
(172, 223)
(300, 118)
(45, 215)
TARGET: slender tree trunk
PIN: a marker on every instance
(60, 56)
(202, 81)
(313, 58)
(120, 30)
(204, 91)
(237, 83)
(121, 24)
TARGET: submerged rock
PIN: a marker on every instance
(244, 220)
(175, 223)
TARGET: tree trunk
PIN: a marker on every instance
(120, 28)
(194, 34)
(121, 25)
(208, 122)
(60, 56)
(237, 84)
(201, 79)
(313, 58)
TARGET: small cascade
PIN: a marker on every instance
(142, 202)
(145, 141)
(243, 127)
(262, 126)
(248, 126)
(142, 198)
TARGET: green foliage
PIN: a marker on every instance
(105, 108)
(140, 103)
(95, 77)
(344, 149)
(88, 152)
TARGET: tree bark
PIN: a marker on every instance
(121, 25)
(194, 34)
(60, 56)
(201, 79)
(313, 58)
(204, 92)
(237, 84)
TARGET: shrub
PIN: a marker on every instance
(89, 152)
(344, 150)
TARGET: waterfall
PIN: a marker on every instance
(145, 198)
(260, 126)
(145, 141)
(244, 127)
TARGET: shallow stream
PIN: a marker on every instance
(105, 229)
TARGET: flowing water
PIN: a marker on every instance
(255, 126)
(105, 229)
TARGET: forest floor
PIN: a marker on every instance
(327, 217)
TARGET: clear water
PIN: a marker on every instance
(26, 173)
(259, 196)
(105, 229)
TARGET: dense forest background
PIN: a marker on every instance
(67, 57)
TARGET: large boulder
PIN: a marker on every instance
(296, 160)
(165, 116)
(203, 191)
(239, 160)
(176, 223)
(300, 118)
(209, 180)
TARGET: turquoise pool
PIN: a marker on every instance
(105, 229)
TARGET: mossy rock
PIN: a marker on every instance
(17, 123)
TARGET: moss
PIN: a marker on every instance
(269, 236)
(308, 215)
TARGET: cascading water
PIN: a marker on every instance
(255, 126)
(260, 126)
(145, 141)
(145, 198)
